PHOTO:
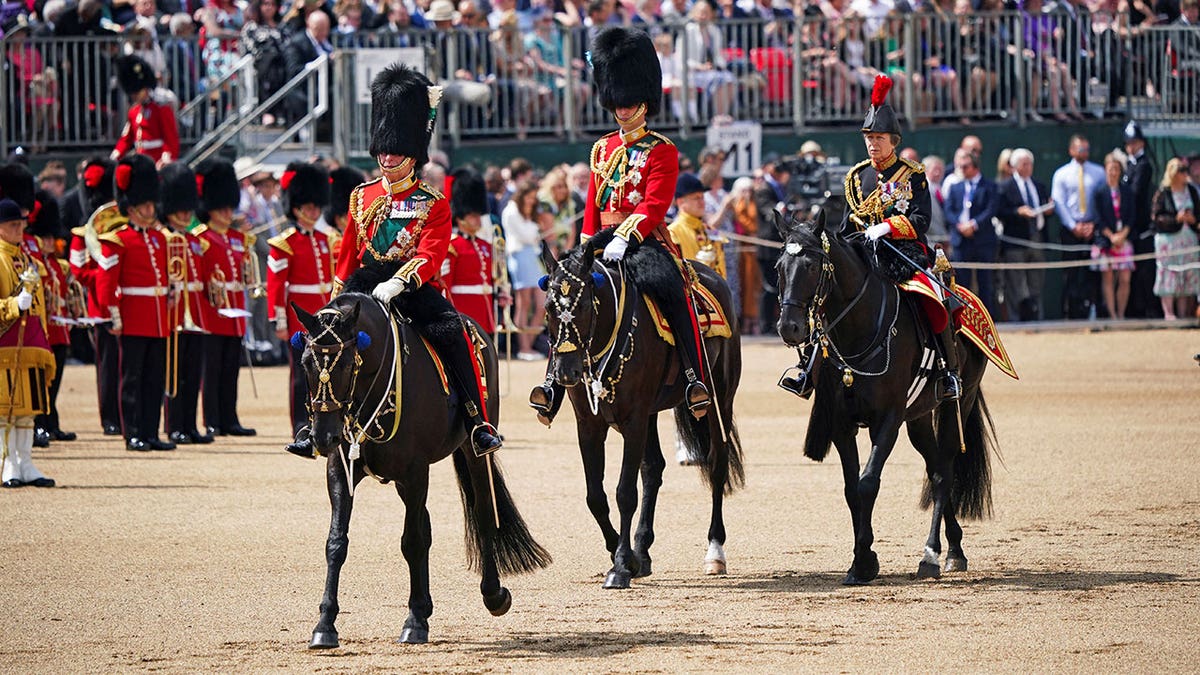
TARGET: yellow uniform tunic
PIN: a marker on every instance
(694, 242)
(24, 369)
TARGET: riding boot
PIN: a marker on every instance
(461, 359)
(686, 332)
(546, 399)
(803, 383)
(303, 446)
(949, 384)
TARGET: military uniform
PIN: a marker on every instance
(44, 222)
(691, 234)
(468, 270)
(150, 127)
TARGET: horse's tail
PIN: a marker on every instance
(820, 421)
(512, 546)
(971, 491)
(696, 437)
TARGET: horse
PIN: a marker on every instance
(379, 408)
(621, 374)
(876, 374)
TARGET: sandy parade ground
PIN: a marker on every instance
(211, 558)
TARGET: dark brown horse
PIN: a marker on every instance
(620, 375)
(878, 375)
(389, 417)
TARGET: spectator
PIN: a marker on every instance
(556, 199)
(745, 223)
(262, 36)
(969, 144)
(434, 174)
(1021, 198)
(37, 91)
(776, 21)
(704, 47)
(183, 63)
(296, 19)
(1070, 187)
(646, 15)
(523, 237)
(1044, 70)
(349, 16)
(301, 50)
(53, 179)
(1115, 212)
(1174, 213)
(1139, 176)
(223, 20)
(979, 51)
(672, 79)
(520, 98)
(145, 26)
(935, 172)
(551, 64)
(970, 206)
(675, 11)
(718, 215)
(770, 201)
(1004, 167)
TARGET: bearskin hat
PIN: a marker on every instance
(136, 181)
(134, 74)
(403, 109)
(217, 186)
(469, 194)
(97, 182)
(342, 182)
(45, 218)
(881, 119)
(178, 188)
(626, 70)
(16, 183)
(304, 183)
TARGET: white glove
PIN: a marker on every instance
(878, 230)
(24, 300)
(615, 250)
(389, 289)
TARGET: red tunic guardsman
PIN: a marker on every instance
(97, 184)
(225, 261)
(44, 222)
(151, 128)
(467, 271)
(634, 171)
(133, 286)
(400, 226)
(342, 182)
(300, 273)
(187, 266)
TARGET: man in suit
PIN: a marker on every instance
(770, 197)
(1020, 196)
(302, 49)
(970, 207)
(1139, 178)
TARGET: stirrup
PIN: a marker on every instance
(485, 439)
(698, 399)
(801, 385)
(951, 385)
(541, 399)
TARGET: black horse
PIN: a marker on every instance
(379, 408)
(875, 373)
(620, 374)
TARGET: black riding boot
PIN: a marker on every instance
(692, 361)
(803, 383)
(303, 446)
(547, 398)
(459, 358)
(949, 384)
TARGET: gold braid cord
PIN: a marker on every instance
(374, 216)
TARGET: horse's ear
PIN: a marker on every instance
(818, 220)
(548, 259)
(307, 320)
(587, 256)
(351, 317)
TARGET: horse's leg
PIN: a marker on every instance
(653, 464)
(592, 432)
(883, 439)
(714, 559)
(920, 432)
(414, 543)
(325, 635)
(625, 565)
(848, 454)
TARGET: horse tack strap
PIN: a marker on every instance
(612, 339)
(437, 363)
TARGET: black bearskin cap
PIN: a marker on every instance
(217, 186)
(136, 181)
(304, 183)
(16, 183)
(402, 112)
(626, 70)
(468, 194)
(45, 218)
(97, 182)
(342, 182)
(881, 119)
(134, 74)
(178, 188)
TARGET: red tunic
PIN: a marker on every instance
(150, 130)
(422, 255)
(299, 270)
(133, 279)
(632, 186)
(83, 265)
(467, 275)
(193, 307)
(225, 262)
(55, 285)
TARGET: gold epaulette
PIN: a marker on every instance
(660, 137)
(250, 238)
(916, 167)
(80, 231)
(433, 192)
(280, 241)
(200, 229)
(64, 266)
(204, 244)
(107, 217)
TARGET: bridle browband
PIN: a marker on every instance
(323, 399)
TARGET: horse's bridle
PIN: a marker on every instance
(815, 306)
(323, 399)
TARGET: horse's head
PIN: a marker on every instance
(331, 362)
(571, 312)
(805, 276)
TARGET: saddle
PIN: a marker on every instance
(710, 315)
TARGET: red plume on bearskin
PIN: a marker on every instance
(286, 179)
(37, 210)
(93, 175)
(136, 179)
(199, 185)
(124, 171)
(883, 84)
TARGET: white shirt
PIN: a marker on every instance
(519, 232)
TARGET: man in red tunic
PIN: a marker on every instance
(151, 128)
(44, 223)
(399, 230)
(634, 171)
(133, 288)
(300, 273)
(467, 271)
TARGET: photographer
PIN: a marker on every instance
(770, 199)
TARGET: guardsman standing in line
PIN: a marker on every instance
(134, 287)
(44, 226)
(225, 259)
(342, 182)
(26, 363)
(186, 263)
(467, 271)
(85, 249)
(689, 231)
(300, 271)
(151, 129)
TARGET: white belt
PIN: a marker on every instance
(311, 289)
(194, 286)
(148, 291)
(477, 289)
(230, 285)
(149, 145)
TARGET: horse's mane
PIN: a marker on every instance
(648, 266)
(366, 278)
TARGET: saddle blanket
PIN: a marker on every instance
(712, 319)
(972, 319)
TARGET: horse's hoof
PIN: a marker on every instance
(617, 579)
(643, 567)
(323, 639)
(929, 570)
(500, 603)
(712, 567)
(955, 565)
(854, 580)
(414, 636)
